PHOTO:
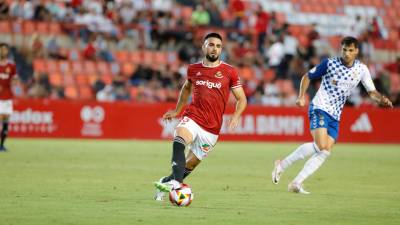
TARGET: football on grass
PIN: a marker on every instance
(181, 196)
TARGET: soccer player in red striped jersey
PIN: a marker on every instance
(7, 75)
(210, 82)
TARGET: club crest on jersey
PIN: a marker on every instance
(219, 75)
(334, 82)
(205, 147)
(7, 70)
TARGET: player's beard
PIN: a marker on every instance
(212, 58)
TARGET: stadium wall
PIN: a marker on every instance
(80, 119)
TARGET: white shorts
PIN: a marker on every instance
(203, 141)
(6, 107)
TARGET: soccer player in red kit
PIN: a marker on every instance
(7, 74)
(210, 82)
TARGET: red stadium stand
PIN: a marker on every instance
(69, 79)
(56, 79)
(5, 27)
(135, 57)
(127, 69)
(71, 92)
(103, 67)
(107, 78)
(28, 27)
(89, 66)
(39, 65)
(122, 56)
(82, 79)
(85, 92)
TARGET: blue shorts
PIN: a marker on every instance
(321, 119)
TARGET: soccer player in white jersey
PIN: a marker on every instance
(339, 76)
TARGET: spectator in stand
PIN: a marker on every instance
(358, 28)
(275, 54)
(394, 67)
(374, 30)
(237, 8)
(17, 9)
(57, 12)
(367, 49)
(290, 45)
(200, 16)
(101, 44)
(41, 87)
(90, 51)
(243, 53)
(215, 15)
(37, 47)
(261, 27)
(271, 95)
(41, 13)
(162, 5)
(120, 88)
(127, 12)
(53, 49)
(106, 94)
(4, 8)
(312, 36)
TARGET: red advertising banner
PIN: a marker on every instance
(75, 119)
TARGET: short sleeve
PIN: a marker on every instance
(319, 70)
(13, 71)
(189, 73)
(235, 79)
(366, 80)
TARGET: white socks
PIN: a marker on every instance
(311, 166)
(302, 152)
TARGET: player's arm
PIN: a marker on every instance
(316, 72)
(304, 84)
(183, 98)
(368, 84)
(380, 99)
(241, 103)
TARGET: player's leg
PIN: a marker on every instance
(4, 131)
(324, 143)
(303, 151)
(165, 184)
(182, 137)
(191, 163)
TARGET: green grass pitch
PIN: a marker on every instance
(92, 182)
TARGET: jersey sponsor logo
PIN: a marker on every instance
(208, 84)
(4, 76)
(198, 74)
(362, 124)
(205, 147)
(219, 75)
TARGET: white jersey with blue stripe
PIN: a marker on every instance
(337, 84)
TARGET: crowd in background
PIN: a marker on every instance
(253, 38)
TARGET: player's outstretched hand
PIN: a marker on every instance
(386, 102)
(301, 101)
(233, 123)
(168, 116)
